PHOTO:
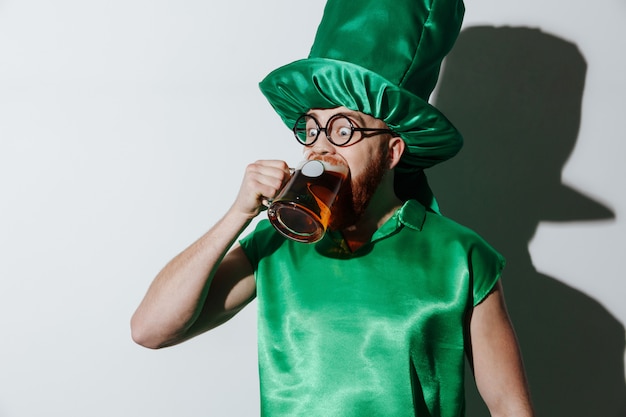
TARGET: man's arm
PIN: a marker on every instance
(208, 282)
(496, 358)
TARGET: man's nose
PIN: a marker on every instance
(322, 145)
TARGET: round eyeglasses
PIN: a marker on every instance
(339, 130)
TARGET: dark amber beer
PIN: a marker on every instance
(302, 209)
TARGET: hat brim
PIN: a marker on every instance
(320, 83)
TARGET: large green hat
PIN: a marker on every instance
(382, 58)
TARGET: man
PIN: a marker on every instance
(374, 319)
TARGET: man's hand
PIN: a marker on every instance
(262, 181)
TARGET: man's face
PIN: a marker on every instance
(366, 156)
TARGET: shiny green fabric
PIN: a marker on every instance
(379, 57)
(378, 332)
(324, 84)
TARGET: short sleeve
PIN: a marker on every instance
(486, 266)
(261, 241)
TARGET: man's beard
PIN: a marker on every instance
(356, 194)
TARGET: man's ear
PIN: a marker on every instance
(396, 149)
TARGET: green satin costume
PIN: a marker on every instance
(378, 332)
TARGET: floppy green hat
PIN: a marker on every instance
(382, 58)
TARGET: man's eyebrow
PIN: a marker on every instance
(358, 117)
(355, 116)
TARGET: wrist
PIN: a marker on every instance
(238, 216)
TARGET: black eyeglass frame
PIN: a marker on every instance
(325, 129)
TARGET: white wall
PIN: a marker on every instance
(124, 130)
(595, 167)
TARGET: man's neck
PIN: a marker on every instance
(382, 206)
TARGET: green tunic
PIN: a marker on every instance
(378, 332)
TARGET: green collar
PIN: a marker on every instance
(412, 215)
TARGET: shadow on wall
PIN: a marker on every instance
(515, 94)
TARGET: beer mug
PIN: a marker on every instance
(302, 209)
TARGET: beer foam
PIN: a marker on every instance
(312, 169)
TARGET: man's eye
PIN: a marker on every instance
(312, 132)
(344, 131)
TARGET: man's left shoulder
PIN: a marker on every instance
(443, 223)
